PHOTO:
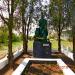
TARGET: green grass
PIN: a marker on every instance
(30, 44)
(54, 42)
(15, 46)
(18, 45)
(65, 43)
(4, 48)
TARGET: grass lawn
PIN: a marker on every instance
(65, 43)
(54, 44)
(18, 45)
(15, 46)
(30, 44)
(4, 48)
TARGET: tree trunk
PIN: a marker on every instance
(10, 25)
(73, 28)
(27, 36)
(24, 39)
(28, 30)
(59, 34)
(59, 41)
(59, 31)
(74, 47)
(73, 31)
(10, 53)
(24, 28)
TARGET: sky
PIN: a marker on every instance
(44, 2)
(32, 32)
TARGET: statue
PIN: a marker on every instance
(41, 33)
(41, 45)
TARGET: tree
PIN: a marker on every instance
(10, 8)
(26, 22)
(73, 26)
(30, 17)
(23, 7)
(59, 19)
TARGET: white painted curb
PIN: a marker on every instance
(66, 70)
(4, 61)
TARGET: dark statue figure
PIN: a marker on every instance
(41, 32)
(41, 45)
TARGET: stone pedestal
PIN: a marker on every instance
(41, 50)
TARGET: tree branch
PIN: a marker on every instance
(3, 19)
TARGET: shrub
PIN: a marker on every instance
(21, 36)
(30, 38)
(70, 39)
(3, 37)
(15, 38)
(51, 36)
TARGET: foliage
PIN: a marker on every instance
(60, 17)
(60, 12)
(31, 38)
(69, 32)
(15, 38)
(3, 35)
(52, 36)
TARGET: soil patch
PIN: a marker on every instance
(42, 68)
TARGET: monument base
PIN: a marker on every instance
(41, 49)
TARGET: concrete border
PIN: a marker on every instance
(66, 70)
(4, 61)
(67, 52)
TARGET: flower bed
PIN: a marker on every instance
(42, 68)
(60, 68)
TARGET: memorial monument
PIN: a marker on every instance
(41, 45)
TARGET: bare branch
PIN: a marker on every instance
(3, 19)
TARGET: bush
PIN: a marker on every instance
(70, 39)
(30, 38)
(21, 36)
(15, 38)
(51, 36)
(3, 37)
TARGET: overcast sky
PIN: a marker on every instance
(44, 2)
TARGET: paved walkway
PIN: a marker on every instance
(8, 71)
